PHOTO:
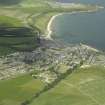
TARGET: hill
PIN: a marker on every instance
(14, 36)
(83, 87)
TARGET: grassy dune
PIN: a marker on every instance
(83, 87)
(17, 90)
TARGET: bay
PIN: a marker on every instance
(87, 28)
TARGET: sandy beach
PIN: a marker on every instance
(49, 31)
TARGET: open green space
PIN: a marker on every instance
(17, 90)
(7, 21)
(14, 36)
(13, 44)
(83, 87)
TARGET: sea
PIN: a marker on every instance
(86, 28)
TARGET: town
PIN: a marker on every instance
(50, 60)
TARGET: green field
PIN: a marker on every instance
(6, 21)
(10, 46)
(13, 44)
(83, 87)
(17, 90)
(14, 36)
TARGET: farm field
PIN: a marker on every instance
(83, 87)
(17, 90)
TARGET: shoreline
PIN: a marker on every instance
(89, 47)
(49, 31)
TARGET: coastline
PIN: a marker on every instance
(49, 31)
(89, 47)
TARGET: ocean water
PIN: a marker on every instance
(87, 28)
